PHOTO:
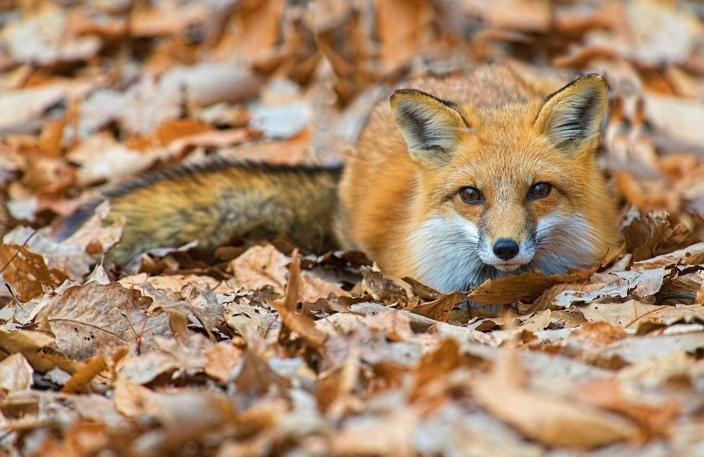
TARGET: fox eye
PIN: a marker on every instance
(471, 195)
(539, 190)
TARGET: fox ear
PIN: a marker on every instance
(431, 127)
(572, 115)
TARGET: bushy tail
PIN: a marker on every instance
(217, 202)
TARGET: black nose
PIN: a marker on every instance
(505, 248)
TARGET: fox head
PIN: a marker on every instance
(512, 188)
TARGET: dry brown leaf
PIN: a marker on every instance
(255, 28)
(381, 288)
(402, 28)
(594, 336)
(655, 234)
(336, 386)
(82, 378)
(102, 158)
(633, 314)
(250, 319)
(523, 287)
(144, 368)
(41, 39)
(174, 129)
(37, 347)
(438, 363)
(64, 257)
(440, 308)
(660, 33)
(260, 267)
(391, 435)
(212, 139)
(138, 110)
(641, 285)
(294, 150)
(655, 416)
(525, 15)
(691, 255)
(15, 373)
(314, 288)
(26, 273)
(644, 348)
(132, 400)
(24, 110)
(544, 417)
(210, 82)
(303, 325)
(256, 377)
(222, 358)
(623, 314)
(47, 176)
(91, 319)
(166, 21)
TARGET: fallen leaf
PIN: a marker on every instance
(445, 358)
(41, 39)
(26, 272)
(526, 286)
(299, 323)
(171, 130)
(94, 319)
(63, 257)
(260, 267)
(132, 400)
(615, 285)
(643, 348)
(222, 358)
(82, 378)
(144, 368)
(15, 373)
(256, 377)
(381, 288)
(655, 416)
(691, 255)
(655, 234)
(336, 386)
(527, 15)
(543, 417)
(634, 314)
(249, 319)
(100, 158)
(440, 308)
(314, 288)
(23, 111)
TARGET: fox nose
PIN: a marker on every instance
(505, 248)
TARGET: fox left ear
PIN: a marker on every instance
(571, 116)
(431, 127)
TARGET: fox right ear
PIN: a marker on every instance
(431, 127)
(571, 116)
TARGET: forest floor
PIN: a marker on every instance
(263, 349)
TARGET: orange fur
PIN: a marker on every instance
(501, 145)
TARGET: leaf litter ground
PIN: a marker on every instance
(262, 350)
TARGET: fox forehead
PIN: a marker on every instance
(504, 146)
(502, 168)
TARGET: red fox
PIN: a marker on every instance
(457, 180)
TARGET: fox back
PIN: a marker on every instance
(470, 177)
